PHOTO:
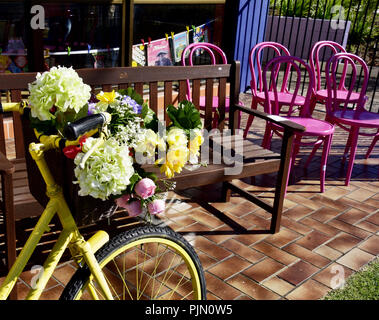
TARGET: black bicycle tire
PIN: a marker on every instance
(81, 276)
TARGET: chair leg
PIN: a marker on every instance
(324, 161)
(314, 150)
(372, 145)
(354, 140)
(266, 142)
(10, 224)
(348, 146)
(312, 105)
(254, 106)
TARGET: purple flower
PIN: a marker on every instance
(145, 188)
(91, 108)
(131, 102)
(134, 208)
(123, 201)
(157, 206)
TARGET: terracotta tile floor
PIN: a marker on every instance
(320, 233)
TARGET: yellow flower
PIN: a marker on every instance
(177, 157)
(177, 137)
(195, 142)
(106, 97)
(168, 170)
(148, 143)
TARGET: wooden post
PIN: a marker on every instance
(127, 32)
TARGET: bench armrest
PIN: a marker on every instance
(281, 121)
(5, 165)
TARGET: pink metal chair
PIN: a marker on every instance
(216, 56)
(349, 114)
(256, 83)
(320, 92)
(319, 129)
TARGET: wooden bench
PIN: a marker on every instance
(169, 84)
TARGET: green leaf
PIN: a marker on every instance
(186, 116)
(149, 117)
(47, 127)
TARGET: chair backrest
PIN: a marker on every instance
(295, 66)
(355, 85)
(314, 58)
(255, 62)
(214, 52)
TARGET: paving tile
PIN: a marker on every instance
(335, 193)
(211, 248)
(374, 219)
(220, 288)
(352, 216)
(252, 289)
(295, 226)
(348, 228)
(371, 245)
(310, 290)
(368, 226)
(358, 205)
(328, 252)
(322, 227)
(52, 294)
(242, 209)
(304, 201)
(221, 234)
(313, 240)
(282, 238)
(263, 269)
(355, 259)
(297, 213)
(334, 275)
(278, 285)
(324, 214)
(250, 239)
(256, 221)
(298, 272)
(336, 204)
(275, 253)
(344, 242)
(307, 255)
(242, 250)
(30, 278)
(206, 260)
(226, 268)
(205, 218)
(361, 194)
(64, 273)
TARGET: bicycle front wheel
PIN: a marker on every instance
(145, 263)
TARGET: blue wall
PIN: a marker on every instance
(251, 27)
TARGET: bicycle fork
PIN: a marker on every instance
(69, 237)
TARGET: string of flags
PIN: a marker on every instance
(168, 51)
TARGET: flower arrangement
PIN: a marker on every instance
(110, 166)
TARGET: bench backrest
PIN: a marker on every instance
(161, 86)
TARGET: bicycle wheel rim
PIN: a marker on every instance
(169, 244)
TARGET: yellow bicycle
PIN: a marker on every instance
(147, 262)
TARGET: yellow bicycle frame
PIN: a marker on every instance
(70, 236)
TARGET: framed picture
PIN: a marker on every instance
(158, 53)
(138, 55)
(180, 42)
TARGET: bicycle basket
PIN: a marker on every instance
(85, 210)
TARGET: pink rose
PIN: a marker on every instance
(157, 206)
(123, 201)
(145, 188)
(134, 208)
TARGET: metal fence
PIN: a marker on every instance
(298, 24)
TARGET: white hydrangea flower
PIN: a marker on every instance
(60, 87)
(106, 172)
